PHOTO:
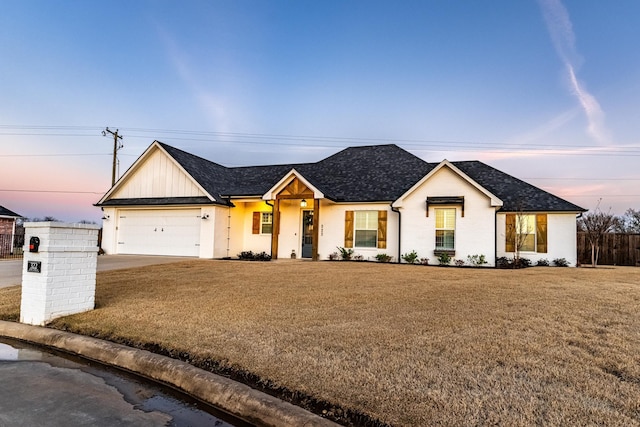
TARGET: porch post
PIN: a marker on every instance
(316, 227)
(275, 229)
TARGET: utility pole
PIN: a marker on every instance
(116, 147)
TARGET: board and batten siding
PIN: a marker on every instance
(158, 176)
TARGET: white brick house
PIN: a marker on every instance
(374, 199)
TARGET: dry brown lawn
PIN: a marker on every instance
(409, 345)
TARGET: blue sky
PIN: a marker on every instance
(548, 90)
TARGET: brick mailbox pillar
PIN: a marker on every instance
(59, 270)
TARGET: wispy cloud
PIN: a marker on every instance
(563, 38)
(541, 131)
(212, 105)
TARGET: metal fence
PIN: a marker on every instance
(11, 245)
(615, 249)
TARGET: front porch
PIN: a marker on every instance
(291, 208)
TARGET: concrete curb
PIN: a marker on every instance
(235, 398)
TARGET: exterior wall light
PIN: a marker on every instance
(303, 203)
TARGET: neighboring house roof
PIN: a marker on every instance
(4, 212)
(356, 174)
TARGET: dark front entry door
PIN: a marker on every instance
(307, 234)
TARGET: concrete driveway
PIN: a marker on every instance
(11, 270)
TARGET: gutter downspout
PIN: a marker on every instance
(272, 228)
(397, 210)
(495, 234)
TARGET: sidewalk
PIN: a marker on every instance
(11, 270)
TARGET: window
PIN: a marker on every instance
(526, 233)
(366, 229)
(266, 223)
(369, 228)
(262, 223)
(445, 229)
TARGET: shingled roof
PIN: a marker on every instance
(6, 212)
(517, 195)
(363, 174)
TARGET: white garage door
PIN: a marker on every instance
(159, 232)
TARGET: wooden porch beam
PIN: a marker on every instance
(275, 229)
(316, 228)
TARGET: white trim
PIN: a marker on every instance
(495, 201)
(280, 185)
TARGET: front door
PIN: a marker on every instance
(307, 234)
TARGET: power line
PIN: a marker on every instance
(55, 155)
(53, 191)
(331, 141)
(586, 179)
(601, 195)
(310, 138)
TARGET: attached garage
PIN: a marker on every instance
(159, 232)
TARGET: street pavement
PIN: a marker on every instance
(41, 389)
(11, 270)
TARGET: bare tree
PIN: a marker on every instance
(595, 225)
(45, 219)
(519, 231)
(630, 221)
(524, 230)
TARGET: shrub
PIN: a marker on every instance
(424, 261)
(444, 258)
(504, 262)
(358, 257)
(561, 262)
(522, 263)
(459, 262)
(476, 260)
(250, 256)
(410, 258)
(334, 256)
(384, 258)
(345, 254)
(262, 256)
(542, 262)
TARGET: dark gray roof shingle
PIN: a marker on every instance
(516, 194)
(363, 174)
(158, 201)
(6, 212)
(367, 174)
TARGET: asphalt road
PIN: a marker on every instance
(42, 389)
(11, 270)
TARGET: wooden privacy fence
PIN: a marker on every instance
(615, 249)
